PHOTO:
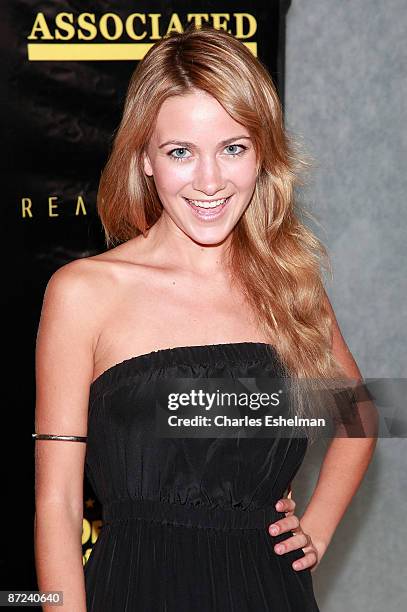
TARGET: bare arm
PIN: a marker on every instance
(344, 466)
(64, 369)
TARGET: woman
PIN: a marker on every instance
(210, 274)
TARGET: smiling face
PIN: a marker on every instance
(203, 164)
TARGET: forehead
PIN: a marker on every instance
(196, 113)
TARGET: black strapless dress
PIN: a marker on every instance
(185, 521)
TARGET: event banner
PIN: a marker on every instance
(65, 70)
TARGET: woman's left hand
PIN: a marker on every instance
(314, 551)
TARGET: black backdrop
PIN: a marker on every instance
(58, 117)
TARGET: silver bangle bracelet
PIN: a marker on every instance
(56, 437)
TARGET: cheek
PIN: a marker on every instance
(170, 175)
(243, 169)
(244, 175)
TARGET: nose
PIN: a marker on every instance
(208, 176)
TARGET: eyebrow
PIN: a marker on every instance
(191, 144)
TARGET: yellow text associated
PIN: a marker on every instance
(110, 36)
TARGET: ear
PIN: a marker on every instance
(147, 164)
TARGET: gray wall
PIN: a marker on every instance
(346, 98)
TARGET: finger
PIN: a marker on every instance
(306, 537)
(310, 560)
(300, 540)
(284, 524)
(285, 504)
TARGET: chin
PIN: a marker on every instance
(208, 237)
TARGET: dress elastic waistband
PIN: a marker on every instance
(188, 515)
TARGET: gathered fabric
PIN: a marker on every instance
(185, 520)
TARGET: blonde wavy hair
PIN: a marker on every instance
(275, 259)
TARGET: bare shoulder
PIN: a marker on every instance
(84, 274)
(82, 293)
(340, 349)
(67, 329)
(85, 284)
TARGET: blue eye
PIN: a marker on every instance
(175, 156)
(182, 158)
(239, 152)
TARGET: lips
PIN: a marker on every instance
(208, 204)
(208, 213)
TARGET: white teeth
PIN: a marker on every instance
(213, 204)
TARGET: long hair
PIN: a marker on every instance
(274, 257)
